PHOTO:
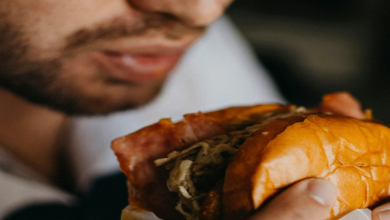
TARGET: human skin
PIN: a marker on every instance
(92, 57)
(309, 199)
(96, 56)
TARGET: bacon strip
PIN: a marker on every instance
(342, 103)
(137, 151)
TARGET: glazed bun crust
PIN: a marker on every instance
(352, 154)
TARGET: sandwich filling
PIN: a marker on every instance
(197, 169)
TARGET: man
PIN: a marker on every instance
(88, 57)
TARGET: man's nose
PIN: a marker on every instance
(191, 12)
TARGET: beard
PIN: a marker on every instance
(55, 84)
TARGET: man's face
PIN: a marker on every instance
(96, 56)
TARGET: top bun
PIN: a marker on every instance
(353, 154)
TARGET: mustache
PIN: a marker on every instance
(163, 25)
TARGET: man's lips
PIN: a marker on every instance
(137, 67)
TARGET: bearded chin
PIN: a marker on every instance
(43, 82)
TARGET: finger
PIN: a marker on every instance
(310, 199)
(381, 212)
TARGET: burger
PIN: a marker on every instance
(229, 163)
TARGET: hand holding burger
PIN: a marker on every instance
(310, 199)
(228, 164)
(298, 204)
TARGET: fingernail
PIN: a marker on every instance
(382, 215)
(322, 191)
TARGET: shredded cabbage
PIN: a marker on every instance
(196, 170)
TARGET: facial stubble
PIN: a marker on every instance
(44, 82)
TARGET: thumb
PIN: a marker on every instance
(310, 199)
(381, 213)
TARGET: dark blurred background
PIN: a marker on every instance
(313, 47)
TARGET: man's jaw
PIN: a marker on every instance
(98, 75)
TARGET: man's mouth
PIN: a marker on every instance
(138, 67)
